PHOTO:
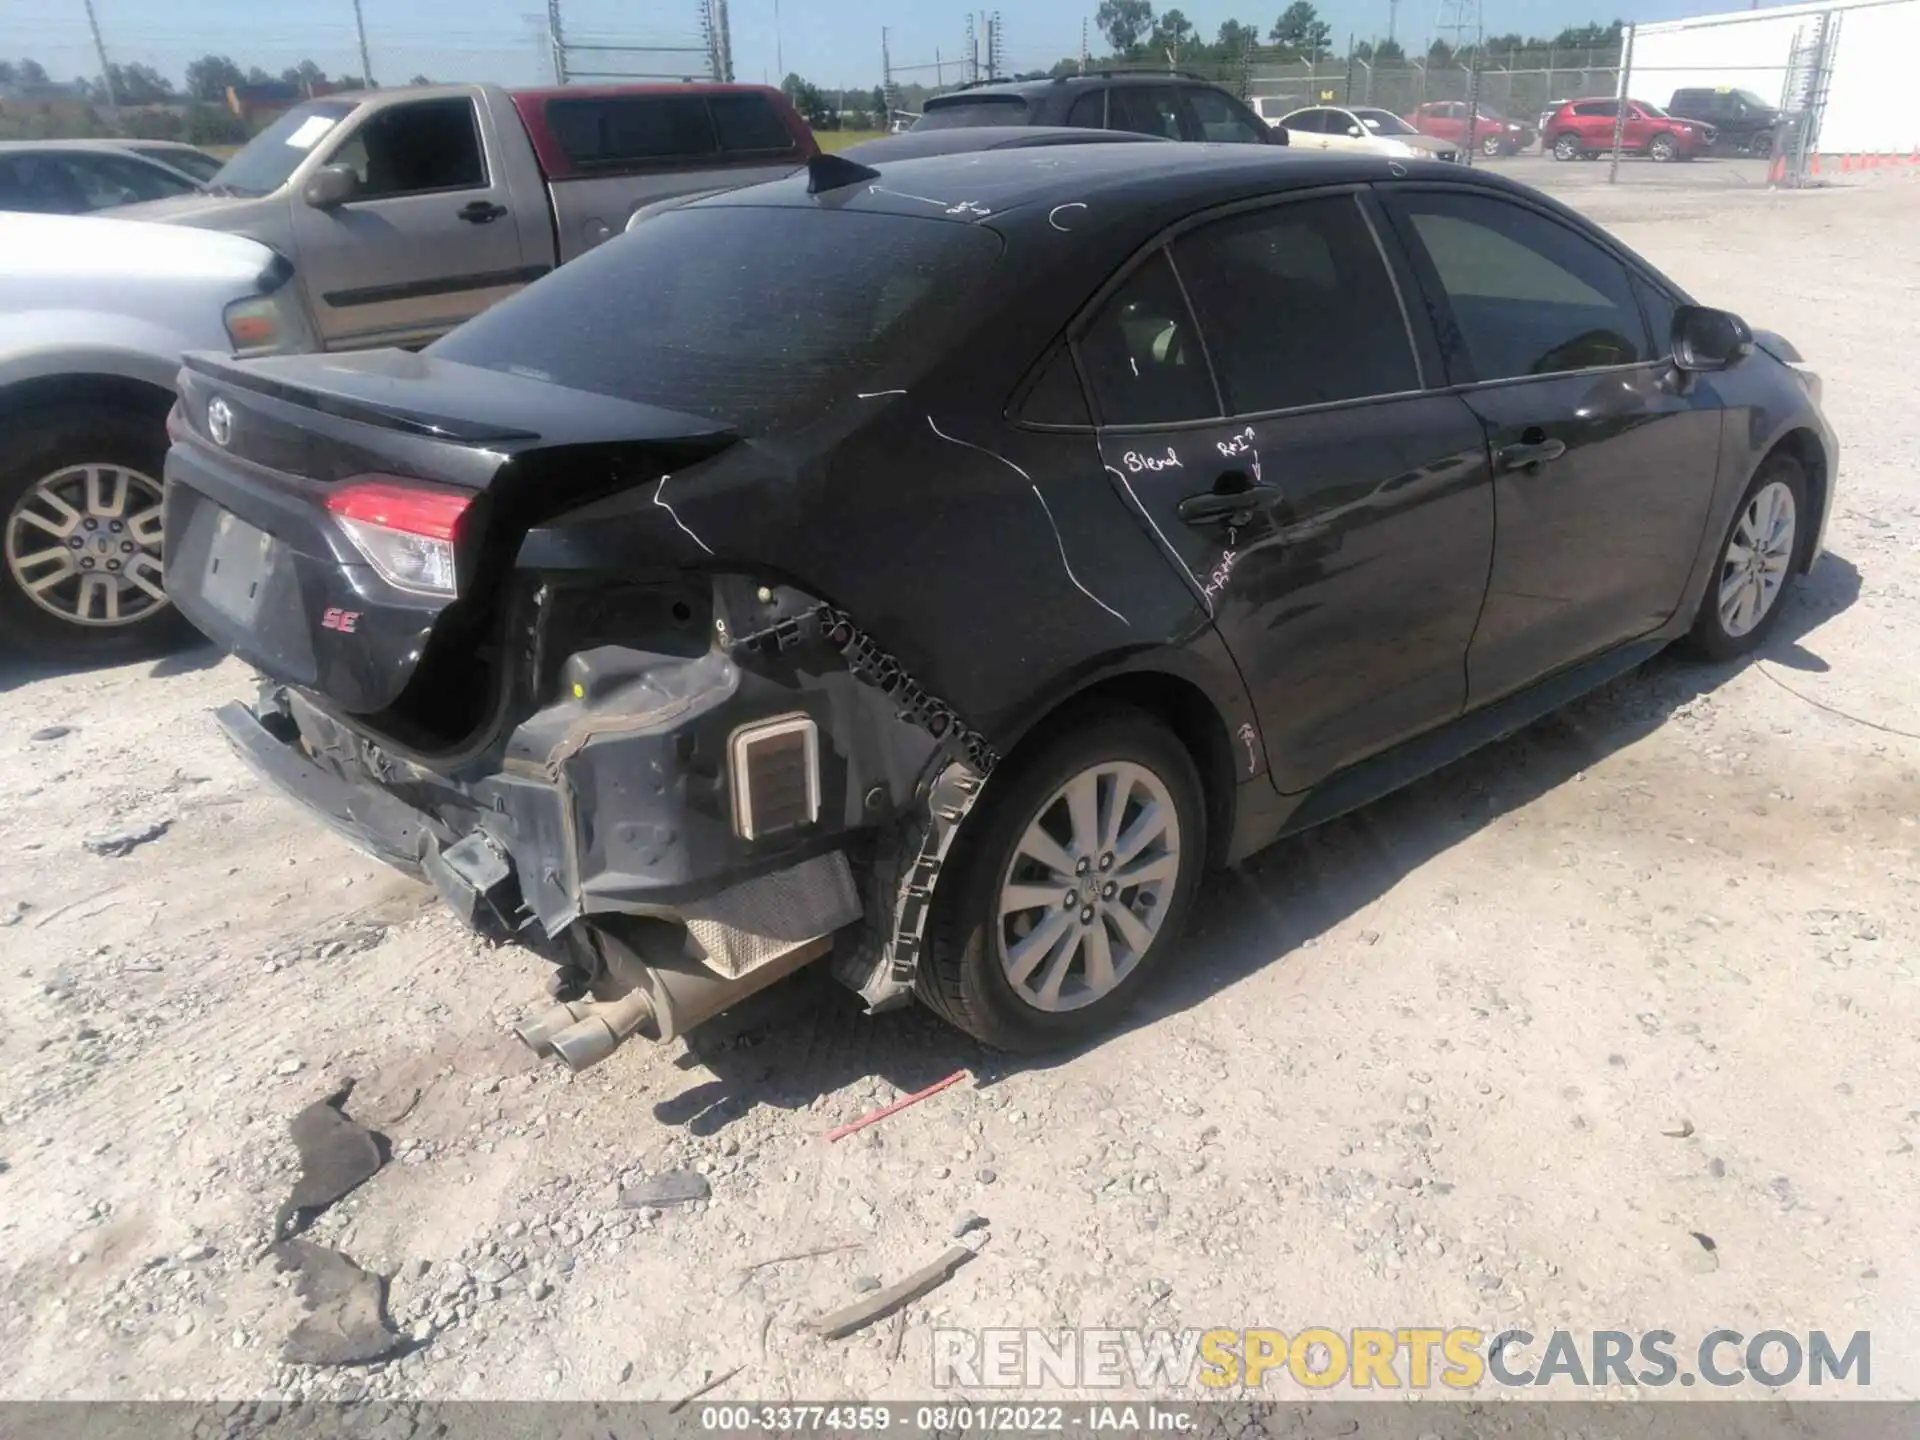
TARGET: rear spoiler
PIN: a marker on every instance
(346, 407)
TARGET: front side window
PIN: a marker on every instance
(1297, 307)
(1142, 356)
(1221, 120)
(412, 149)
(270, 158)
(1528, 295)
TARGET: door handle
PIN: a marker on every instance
(481, 212)
(1235, 507)
(1529, 452)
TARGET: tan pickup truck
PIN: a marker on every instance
(405, 212)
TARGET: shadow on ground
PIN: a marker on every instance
(195, 654)
(807, 1037)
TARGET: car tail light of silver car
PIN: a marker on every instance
(776, 775)
(406, 531)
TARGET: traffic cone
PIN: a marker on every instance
(1816, 162)
(1846, 163)
(1777, 171)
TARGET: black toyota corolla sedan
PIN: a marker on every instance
(933, 568)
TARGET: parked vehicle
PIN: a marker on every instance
(44, 177)
(94, 316)
(1366, 131)
(1581, 129)
(405, 212)
(1168, 105)
(1740, 119)
(1493, 133)
(187, 161)
(939, 565)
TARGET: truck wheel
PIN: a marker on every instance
(80, 492)
(1567, 147)
(1760, 146)
(1663, 149)
(1069, 885)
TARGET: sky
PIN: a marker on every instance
(834, 43)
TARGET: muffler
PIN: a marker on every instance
(666, 996)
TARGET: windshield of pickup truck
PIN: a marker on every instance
(762, 318)
(276, 152)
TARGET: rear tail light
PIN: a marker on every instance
(776, 776)
(406, 531)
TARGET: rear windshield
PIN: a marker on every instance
(272, 156)
(761, 318)
(974, 110)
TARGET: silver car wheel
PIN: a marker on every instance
(1088, 887)
(1758, 555)
(84, 544)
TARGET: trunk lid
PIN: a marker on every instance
(346, 523)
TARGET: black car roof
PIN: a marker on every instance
(917, 143)
(1025, 88)
(972, 186)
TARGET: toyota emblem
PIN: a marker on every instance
(220, 422)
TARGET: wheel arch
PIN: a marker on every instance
(1199, 706)
(1807, 448)
(41, 392)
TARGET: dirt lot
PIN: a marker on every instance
(1490, 1053)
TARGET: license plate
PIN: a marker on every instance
(238, 563)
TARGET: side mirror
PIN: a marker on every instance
(1706, 339)
(1355, 131)
(330, 186)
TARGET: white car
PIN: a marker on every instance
(1366, 129)
(95, 314)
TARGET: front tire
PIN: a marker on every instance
(1758, 560)
(80, 534)
(1663, 149)
(1067, 887)
(1493, 147)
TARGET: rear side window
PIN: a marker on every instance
(1146, 110)
(1597, 107)
(748, 125)
(1308, 122)
(1297, 307)
(1221, 120)
(1142, 354)
(1089, 112)
(1529, 296)
(619, 130)
(974, 110)
(763, 318)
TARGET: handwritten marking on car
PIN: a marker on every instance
(875, 394)
(1218, 577)
(1247, 738)
(658, 491)
(1053, 215)
(1136, 462)
(1058, 539)
(1236, 444)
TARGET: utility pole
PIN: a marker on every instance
(106, 70)
(970, 55)
(779, 60)
(987, 23)
(1083, 45)
(886, 80)
(360, 28)
(1393, 15)
(725, 28)
(556, 39)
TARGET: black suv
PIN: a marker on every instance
(1170, 106)
(1740, 118)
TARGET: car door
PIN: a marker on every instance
(1603, 464)
(1593, 120)
(1307, 129)
(421, 244)
(1345, 132)
(1262, 402)
(1445, 121)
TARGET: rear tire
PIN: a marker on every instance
(1494, 146)
(69, 475)
(1118, 797)
(1567, 147)
(1761, 146)
(1758, 559)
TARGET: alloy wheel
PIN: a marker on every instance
(1566, 148)
(1662, 149)
(1089, 886)
(84, 545)
(1754, 568)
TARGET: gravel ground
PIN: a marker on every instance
(1493, 1052)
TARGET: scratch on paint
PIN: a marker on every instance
(1247, 737)
(1053, 215)
(1058, 539)
(1147, 514)
(657, 492)
(875, 394)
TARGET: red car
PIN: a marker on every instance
(1494, 133)
(1580, 129)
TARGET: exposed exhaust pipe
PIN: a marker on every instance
(666, 997)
